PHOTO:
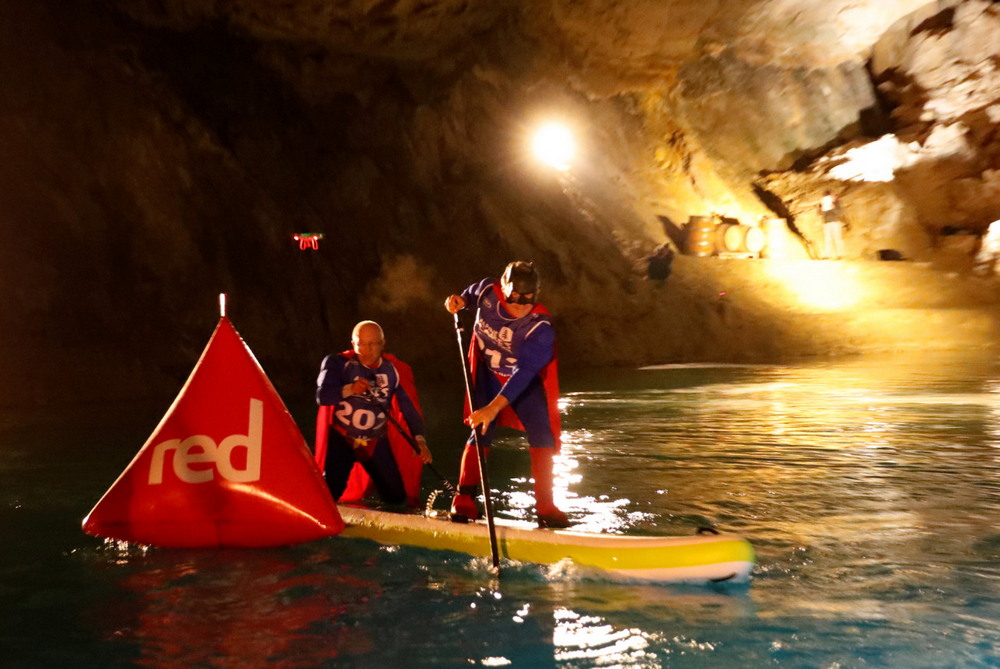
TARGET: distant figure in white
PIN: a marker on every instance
(989, 251)
(833, 226)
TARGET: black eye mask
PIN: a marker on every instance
(522, 299)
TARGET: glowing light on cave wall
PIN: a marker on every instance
(879, 160)
(875, 161)
(553, 144)
(823, 285)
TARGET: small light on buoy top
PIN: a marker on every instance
(222, 305)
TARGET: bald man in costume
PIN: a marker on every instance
(366, 398)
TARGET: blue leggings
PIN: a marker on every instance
(531, 408)
(381, 466)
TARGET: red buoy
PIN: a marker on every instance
(226, 466)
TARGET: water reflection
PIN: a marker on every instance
(234, 609)
(556, 617)
(581, 637)
(598, 626)
(604, 513)
(870, 489)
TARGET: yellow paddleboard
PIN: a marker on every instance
(695, 559)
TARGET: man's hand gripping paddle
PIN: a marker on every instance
(449, 486)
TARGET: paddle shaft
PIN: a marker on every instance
(480, 451)
(449, 486)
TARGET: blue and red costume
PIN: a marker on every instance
(516, 358)
(358, 447)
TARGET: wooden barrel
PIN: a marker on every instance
(738, 238)
(755, 239)
(775, 230)
(700, 231)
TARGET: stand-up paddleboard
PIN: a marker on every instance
(695, 559)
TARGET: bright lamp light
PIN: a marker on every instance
(553, 145)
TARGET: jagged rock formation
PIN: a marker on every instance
(158, 152)
(934, 160)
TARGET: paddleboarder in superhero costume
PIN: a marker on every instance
(515, 381)
(358, 391)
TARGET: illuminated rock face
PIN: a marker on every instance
(160, 151)
(940, 73)
(936, 75)
(727, 89)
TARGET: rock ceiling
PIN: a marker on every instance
(754, 86)
(629, 35)
(686, 106)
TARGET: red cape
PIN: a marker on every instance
(360, 485)
(549, 375)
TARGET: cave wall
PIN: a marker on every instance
(127, 211)
(938, 71)
(159, 153)
(149, 169)
(924, 183)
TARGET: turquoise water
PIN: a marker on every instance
(870, 489)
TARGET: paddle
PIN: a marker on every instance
(449, 486)
(480, 451)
